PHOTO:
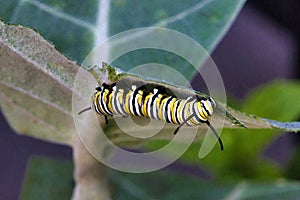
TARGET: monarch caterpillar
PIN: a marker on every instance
(109, 100)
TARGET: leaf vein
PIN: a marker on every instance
(56, 13)
(182, 14)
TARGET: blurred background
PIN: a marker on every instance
(264, 39)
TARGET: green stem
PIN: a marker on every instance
(90, 175)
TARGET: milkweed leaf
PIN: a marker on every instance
(36, 85)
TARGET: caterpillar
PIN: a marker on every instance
(110, 99)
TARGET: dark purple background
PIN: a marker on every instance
(255, 51)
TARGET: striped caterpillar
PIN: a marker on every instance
(109, 100)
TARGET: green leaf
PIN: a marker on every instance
(242, 157)
(163, 185)
(67, 24)
(174, 186)
(48, 179)
(277, 100)
(7, 9)
(75, 27)
(265, 190)
(205, 21)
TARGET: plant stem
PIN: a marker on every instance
(90, 175)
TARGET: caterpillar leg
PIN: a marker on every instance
(177, 129)
(106, 120)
